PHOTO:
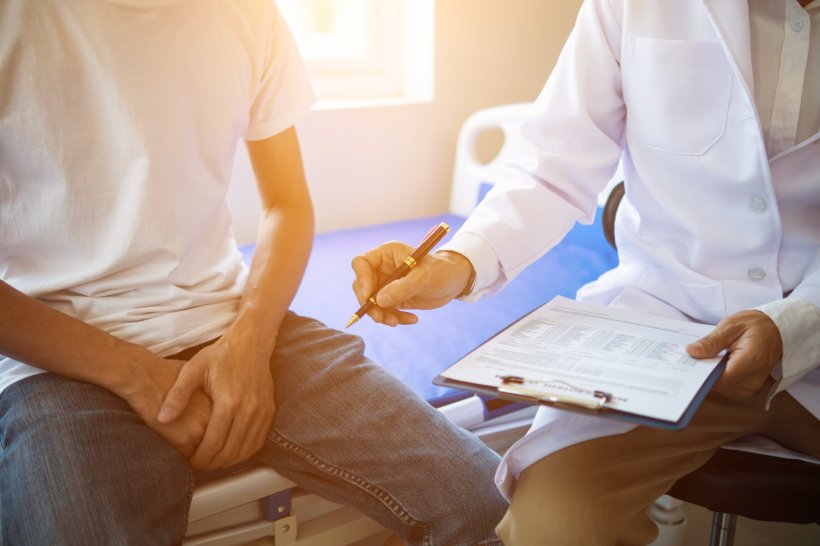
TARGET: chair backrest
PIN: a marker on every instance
(755, 486)
(610, 210)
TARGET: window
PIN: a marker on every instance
(365, 51)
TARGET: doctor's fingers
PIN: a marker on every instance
(376, 264)
(747, 328)
(753, 354)
(746, 372)
(391, 316)
(427, 286)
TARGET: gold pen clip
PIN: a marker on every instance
(583, 398)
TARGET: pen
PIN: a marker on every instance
(424, 247)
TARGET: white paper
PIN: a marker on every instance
(577, 347)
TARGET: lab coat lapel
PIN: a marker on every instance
(731, 21)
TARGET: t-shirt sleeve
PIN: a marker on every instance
(284, 92)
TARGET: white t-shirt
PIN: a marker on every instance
(119, 122)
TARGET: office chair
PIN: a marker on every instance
(738, 483)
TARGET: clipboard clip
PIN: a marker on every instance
(586, 398)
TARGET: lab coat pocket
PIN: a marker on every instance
(677, 94)
(698, 298)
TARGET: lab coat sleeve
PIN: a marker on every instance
(798, 319)
(571, 145)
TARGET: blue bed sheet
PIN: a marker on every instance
(416, 354)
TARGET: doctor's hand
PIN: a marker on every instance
(238, 381)
(754, 345)
(437, 279)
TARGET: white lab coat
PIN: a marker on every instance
(709, 226)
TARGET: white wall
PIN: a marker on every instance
(372, 165)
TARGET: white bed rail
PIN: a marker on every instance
(469, 172)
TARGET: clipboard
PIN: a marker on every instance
(597, 406)
(495, 378)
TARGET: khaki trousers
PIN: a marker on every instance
(598, 492)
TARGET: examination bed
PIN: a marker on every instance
(256, 504)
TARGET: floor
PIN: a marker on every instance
(749, 532)
(698, 525)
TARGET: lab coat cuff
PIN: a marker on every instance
(798, 322)
(488, 279)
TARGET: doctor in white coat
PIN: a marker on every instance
(713, 109)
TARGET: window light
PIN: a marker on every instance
(365, 51)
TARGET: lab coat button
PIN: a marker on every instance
(757, 203)
(756, 274)
(797, 25)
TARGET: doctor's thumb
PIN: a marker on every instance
(707, 346)
(398, 292)
(386, 297)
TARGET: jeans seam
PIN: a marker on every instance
(188, 501)
(382, 496)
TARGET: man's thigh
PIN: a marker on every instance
(77, 466)
(347, 430)
(597, 492)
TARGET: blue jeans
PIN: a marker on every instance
(77, 466)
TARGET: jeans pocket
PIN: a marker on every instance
(677, 94)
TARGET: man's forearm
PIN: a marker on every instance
(283, 241)
(40, 336)
(283, 247)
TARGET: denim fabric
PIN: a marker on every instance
(350, 432)
(78, 467)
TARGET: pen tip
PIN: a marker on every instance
(352, 320)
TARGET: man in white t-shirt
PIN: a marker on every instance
(136, 345)
(712, 108)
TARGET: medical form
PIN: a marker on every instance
(583, 357)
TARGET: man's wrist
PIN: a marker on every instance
(141, 379)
